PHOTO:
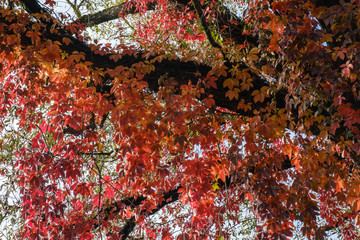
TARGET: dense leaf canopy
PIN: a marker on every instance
(195, 120)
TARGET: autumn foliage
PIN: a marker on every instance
(167, 133)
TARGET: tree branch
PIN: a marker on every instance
(179, 70)
(102, 16)
(204, 24)
(223, 17)
(113, 12)
(108, 14)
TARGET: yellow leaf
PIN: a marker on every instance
(254, 51)
(215, 187)
(253, 54)
(100, 146)
(253, 58)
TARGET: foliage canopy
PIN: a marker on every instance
(195, 110)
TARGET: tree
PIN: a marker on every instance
(199, 110)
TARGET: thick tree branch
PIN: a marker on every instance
(170, 197)
(102, 16)
(327, 3)
(204, 24)
(127, 228)
(223, 17)
(113, 12)
(167, 198)
(181, 71)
